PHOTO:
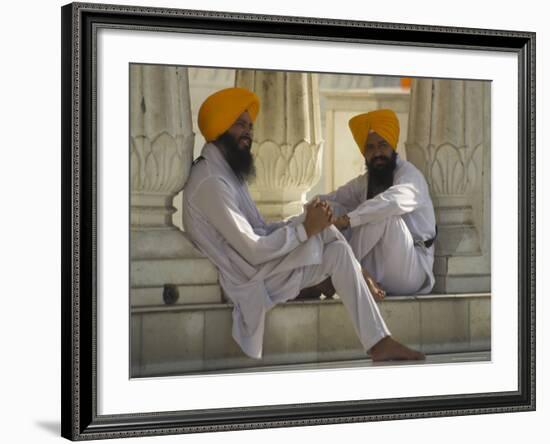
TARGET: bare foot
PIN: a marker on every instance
(374, 287)
(317, 291)
(388, 349)
(327, 288)
(309, 293)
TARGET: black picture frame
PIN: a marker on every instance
(80, 420)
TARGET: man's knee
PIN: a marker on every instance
(338, 251)
(396, 229)
(332, 234)
(390, 223)
(396, 220)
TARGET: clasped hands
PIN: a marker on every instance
(319, 216)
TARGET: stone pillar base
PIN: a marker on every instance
(462, 274)
(174, 281)
(164, 257)
(162, 242)
(456, 240)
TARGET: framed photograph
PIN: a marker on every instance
(166, 326)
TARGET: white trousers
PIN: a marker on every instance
(386, 249)
(345, 271)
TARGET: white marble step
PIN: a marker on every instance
(431, 359)
(186, 295)
(178, 339)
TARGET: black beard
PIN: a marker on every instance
(380, 177)
(240, 160)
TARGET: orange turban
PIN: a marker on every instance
(383, 122)
(220, 110)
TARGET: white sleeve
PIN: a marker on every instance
(406, 195)
(215, 200)
(349, 195)
(295, 221)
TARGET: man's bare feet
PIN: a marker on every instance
(326, 288)
(377, 293)
(388, 349)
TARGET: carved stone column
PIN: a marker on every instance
(161, 149)
(287, 139)
(202, 83)
(345, 82)
(449, 141)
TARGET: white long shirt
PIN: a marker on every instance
(224, 224)
(408, 197)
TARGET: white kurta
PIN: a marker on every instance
(386, 232)
(261, 264)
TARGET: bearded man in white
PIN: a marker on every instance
(387, 214)
(262, 264)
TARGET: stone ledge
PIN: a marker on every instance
(437, 359)
(188, 295)
(181, 271)
(150, 307)
(169, 339)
